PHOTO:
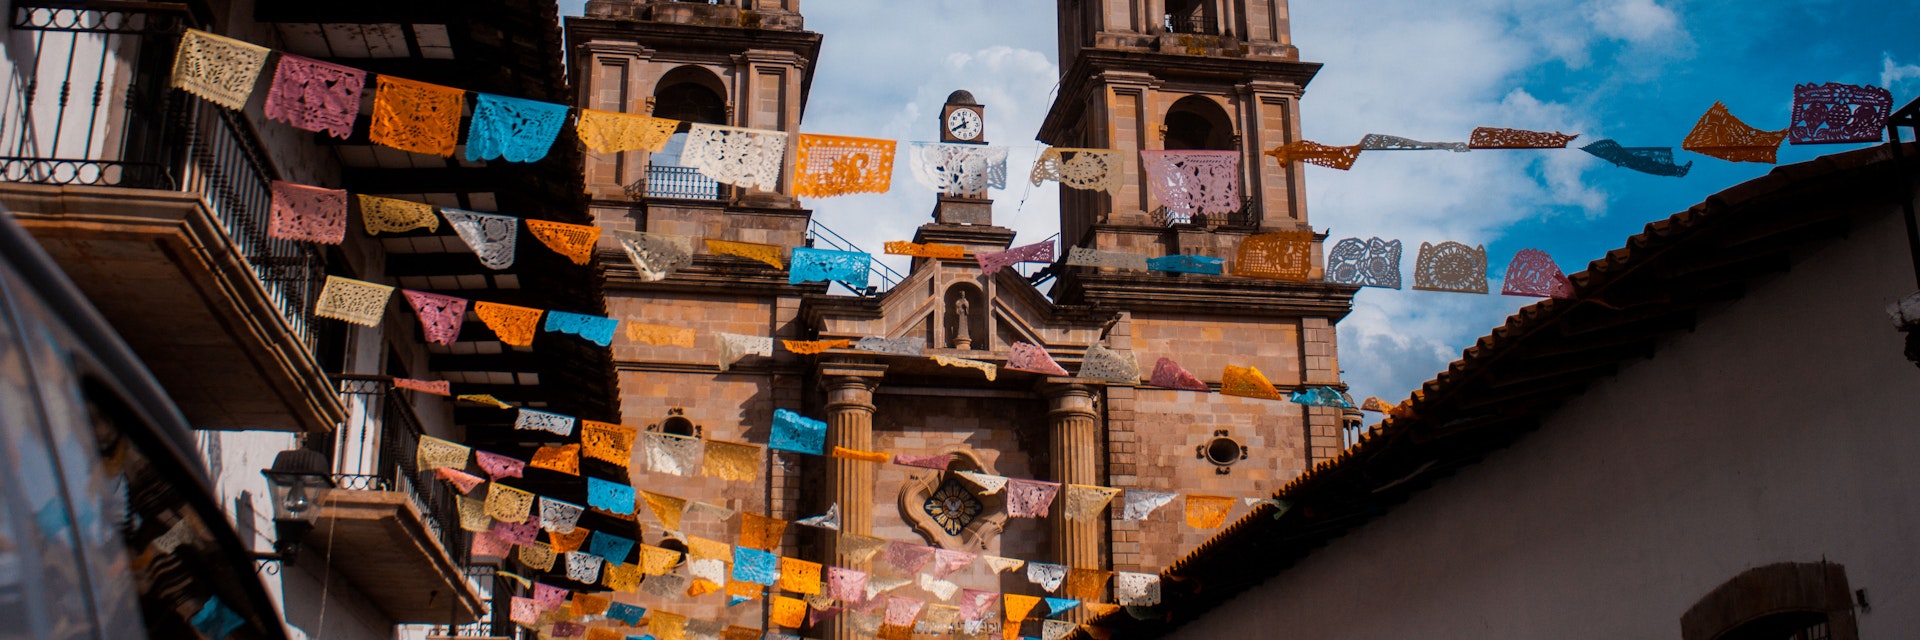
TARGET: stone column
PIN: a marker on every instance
(1073, 453)
(849, 388)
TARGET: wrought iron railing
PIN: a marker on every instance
(376, 452)
(92, 106)
(819, 234)
(1196, 24)
(1248, 215)
(680, 183)
(494, 619)
(87, 102)
(225, 164)
(1038, 273)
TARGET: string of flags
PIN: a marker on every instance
(508, 517)
(314, 214)
(1828, 113)
(424, 118)
(441, 318)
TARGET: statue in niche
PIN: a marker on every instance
(962, 310)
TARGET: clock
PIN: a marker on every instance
(965, 125)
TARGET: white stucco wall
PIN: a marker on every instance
(315, 601)
(1785, 428)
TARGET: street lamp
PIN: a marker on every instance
(300, 481)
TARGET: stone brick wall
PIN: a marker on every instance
(1205, 346)
(1159, 444)
(1005, 433)
(736, 405)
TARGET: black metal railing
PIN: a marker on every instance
(1248, 215)
(1038, 273)
(682, 183)
(94, 108)
(494, 620)
(88, 101)
(376, 452)
(1195, 24)
(819, 234)
(226, 165)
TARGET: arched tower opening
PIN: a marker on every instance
(1197, 122)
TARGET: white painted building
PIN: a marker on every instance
(1713, 439)
(156, 203)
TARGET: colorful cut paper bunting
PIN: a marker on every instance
(309, 214)
(416, 116)
(315, 96)
(1029, 357)
(1247, 382)
(1169, 374)
(839, 165)
(612, 132)
(514, 129)
(797, 433)
(220, 69)
(1833, 112)
(1721, 135)
(1313, 152)
(575, 241)
(1498, 138)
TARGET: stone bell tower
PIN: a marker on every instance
(1217, 76)
(1178, 75)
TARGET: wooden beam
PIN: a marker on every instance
(374, 181)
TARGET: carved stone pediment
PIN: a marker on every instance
(948, 510)
(958, 312)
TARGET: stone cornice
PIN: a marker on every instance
(1084, 76)
(669, 366)
(667, 36)
(708, 274)
(1205, 295)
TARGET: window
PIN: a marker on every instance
(690, 94)
(1191, 16)
(1783, 601)
(676, 424)
(1197, 122)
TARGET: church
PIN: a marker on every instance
(1139, 77)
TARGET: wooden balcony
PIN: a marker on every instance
(391, 529)
(382, 544)
(156, 204)
(164, 270)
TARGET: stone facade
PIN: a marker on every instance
(1021, 425)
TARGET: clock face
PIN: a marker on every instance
(964, 124)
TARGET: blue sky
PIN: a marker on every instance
(1637, 71)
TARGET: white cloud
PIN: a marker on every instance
(1637, 21)
(1898, 77)
(1014, 84)
(1434, 71)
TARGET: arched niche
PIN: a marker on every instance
(1197, 122)
(974, 317)
(690, 93)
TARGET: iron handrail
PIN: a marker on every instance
(385, 426)
(95, 107)
(819, 233)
